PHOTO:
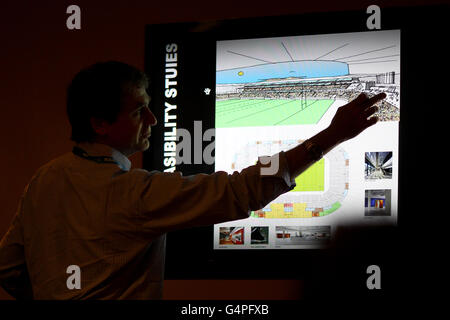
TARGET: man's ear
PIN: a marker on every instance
(99, 126)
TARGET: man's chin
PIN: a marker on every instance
(145, 145)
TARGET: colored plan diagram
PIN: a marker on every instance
(320, 190)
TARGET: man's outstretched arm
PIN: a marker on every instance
(349, 121)
(169, 201)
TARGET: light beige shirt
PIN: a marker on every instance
(111, 221)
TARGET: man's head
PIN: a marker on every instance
(108, 103)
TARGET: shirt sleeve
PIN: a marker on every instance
(169, 201)
(14, 276)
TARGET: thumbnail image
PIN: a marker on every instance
(231, 235)
(378, 165)
(377, 203)
(302, 235)
(260, 235)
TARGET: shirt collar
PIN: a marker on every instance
(99, 149)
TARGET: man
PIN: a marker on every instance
(88, 211)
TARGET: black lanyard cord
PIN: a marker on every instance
(98, 159)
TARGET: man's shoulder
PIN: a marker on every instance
(49, 168)
(58, 163)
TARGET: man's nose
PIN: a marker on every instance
(150, 118)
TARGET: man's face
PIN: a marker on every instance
(130, 132)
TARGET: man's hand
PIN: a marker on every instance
(349, 121)
(352, 118)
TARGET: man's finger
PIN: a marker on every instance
(373, 100)
(361, 98)
(370, 111)
(372, 121)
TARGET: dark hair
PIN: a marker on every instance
(97, 92)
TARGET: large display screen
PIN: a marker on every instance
(272, 94)
(227, 92)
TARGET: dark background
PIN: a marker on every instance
(39, 56)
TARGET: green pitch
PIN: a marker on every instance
(252, 112)
(313, 179)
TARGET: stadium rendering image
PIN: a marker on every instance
(274, 93)
(290, 100)
(294, 80)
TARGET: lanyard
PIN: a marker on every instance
(99, 159)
